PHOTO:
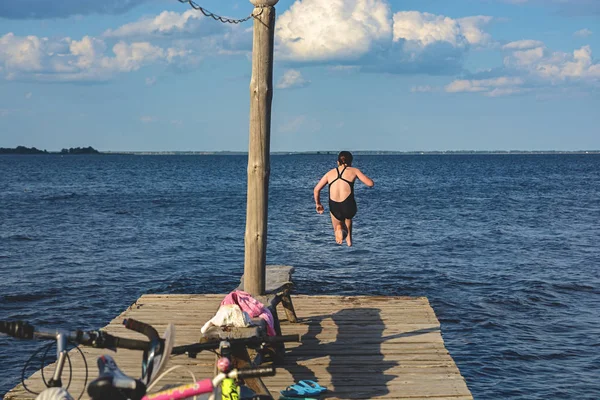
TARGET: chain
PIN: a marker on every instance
(217, 17)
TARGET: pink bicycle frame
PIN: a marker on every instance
(181, 392)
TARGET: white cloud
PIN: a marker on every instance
(167, 23)
(556, 66)
(22, 53)
(523, 45)
(316, 30)
(187, 31)
(497, 92)
(583, 33)
(150, 81)
(179, 40)
(28, 95)
(426, 29)
(534, 69)
(525, 57)
(364, 34)
(492, 87)
(431, 44)
(349, 34)
(471, 29)
(423, 89)
(131, 57)
(292, 78)
(86, 51)
(60, 60)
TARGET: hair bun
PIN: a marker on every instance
(345, 157)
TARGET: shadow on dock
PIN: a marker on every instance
(345, 353)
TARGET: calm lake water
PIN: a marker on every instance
(506, 248)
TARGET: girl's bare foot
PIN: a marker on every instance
(339, 235)
(347, 227)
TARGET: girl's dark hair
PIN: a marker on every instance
(345, 157)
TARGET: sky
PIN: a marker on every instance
(411, 75)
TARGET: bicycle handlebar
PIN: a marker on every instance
(95, 338)
(251, 372)
(214, 344)
(141, 327)
(17, 329)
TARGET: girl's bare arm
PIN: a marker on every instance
(317, 193)
(364, 179)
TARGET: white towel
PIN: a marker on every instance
(229, 315)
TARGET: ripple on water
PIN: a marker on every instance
(506, 256)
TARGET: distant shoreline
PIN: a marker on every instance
(312, 153)
(356, 152)
(21, 150)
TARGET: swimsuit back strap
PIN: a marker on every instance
(339, 175)
(351, 183)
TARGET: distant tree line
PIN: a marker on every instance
(33, 150)
(80, 150)
(22, 150)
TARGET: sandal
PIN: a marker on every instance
(313, 386)
(297, 398)
(303, 388)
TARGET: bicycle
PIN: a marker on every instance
(111, 382)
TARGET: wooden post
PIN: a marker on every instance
(261, 95)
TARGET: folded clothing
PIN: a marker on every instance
(253, 307)
(228, 315)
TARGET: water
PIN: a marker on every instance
(504, 246)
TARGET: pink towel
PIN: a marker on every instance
(252, 306)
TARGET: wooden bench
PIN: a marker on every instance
(278, 288)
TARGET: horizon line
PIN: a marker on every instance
(330, 152)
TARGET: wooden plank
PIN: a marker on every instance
(359, 347)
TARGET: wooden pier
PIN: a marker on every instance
(359, 347)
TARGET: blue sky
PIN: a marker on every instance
(155, 75)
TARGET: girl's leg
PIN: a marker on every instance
(337, 229)
(349, 228)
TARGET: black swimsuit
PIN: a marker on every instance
(347, 208)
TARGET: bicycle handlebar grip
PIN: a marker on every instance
(255, 372)
(17, 329)
(141, 327)
(131, 344)
(195, 348)
(284, 338)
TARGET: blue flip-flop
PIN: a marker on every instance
(294, 391)
(297, 398)
(313, 386)
(303, 388)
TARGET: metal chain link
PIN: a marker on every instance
(215, 16)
